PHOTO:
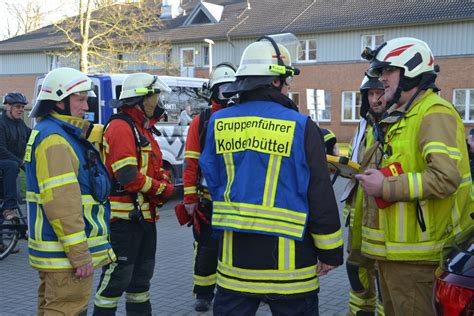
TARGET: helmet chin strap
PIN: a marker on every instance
(67, 107)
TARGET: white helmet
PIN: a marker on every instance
(261, 59)
(223, 73)
(262, 62)
(138, 85)
(142, 84)
(411, 54)
(59, 84)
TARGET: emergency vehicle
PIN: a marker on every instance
(185, 91)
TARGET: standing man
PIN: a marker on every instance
(361, 270)
(139, 187)
(426, 200)
(196, 194)
(265, 167)
(67, 190)
(185, 116)
(13, 137)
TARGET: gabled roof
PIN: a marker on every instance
(275, 16)
(205, 12)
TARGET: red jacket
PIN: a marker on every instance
(151, 182)
(191, 155)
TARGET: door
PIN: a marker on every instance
(187, 62)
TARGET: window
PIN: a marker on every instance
(308, 51)
(319, 104)
(372, 41)
(205, 55)
(295, 97)
(463, 100)
(53, 61)
(350, 106)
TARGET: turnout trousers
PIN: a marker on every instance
(135, 246)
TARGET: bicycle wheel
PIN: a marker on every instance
(8, 237)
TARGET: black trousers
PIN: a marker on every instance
(205, 265)
(228, 303)
(134, 245)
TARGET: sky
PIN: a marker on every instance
(54, 10)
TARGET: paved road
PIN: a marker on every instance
(172, 281)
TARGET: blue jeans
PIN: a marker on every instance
(232, 304)
(9, 170)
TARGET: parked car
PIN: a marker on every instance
(453, 292)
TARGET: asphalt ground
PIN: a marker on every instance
(171, 286)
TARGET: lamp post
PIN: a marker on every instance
(210, 42)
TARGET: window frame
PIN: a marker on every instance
(306, 52)
(353, 107)
(468, 108)
(373, 46)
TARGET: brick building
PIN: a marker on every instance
(332, 34)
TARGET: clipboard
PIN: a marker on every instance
(342, 166)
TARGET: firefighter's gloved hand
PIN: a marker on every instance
(199, 219)
(190, 208)
(167, 191)
(164, 175)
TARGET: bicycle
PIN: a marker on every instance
(11, 231)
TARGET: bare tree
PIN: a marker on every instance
(113, 37)
(26, 17)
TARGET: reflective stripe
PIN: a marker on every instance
(328, 241)
(401, 222)
(205, 280)
(106, 302)
(36, 198)
(102, 301)
(438, 147)
(160, 189)
(466, 180)
(229, 167)
(39, 222)
(124, 206)
(253, 210)
(147, 185)
(373, 249)
(63, 263)
(227, 248)
(190, 190)
(192, 154)
(415, 185)
(258, 225)
(268, 287)
(267, 275)
(271, 180)
(414, 247)
(124, 162)
(55, 246)
(373, 234)
(137, 297)
(286, 254)
(359, 303)
(329, 136)
(73, 239)
(144, 162)
(57, 181)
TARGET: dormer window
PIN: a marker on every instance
(205, 13)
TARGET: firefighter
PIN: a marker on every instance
(426, 193)
(361, 270)
(196, 194)
(139, 186)
(265, 167)
(67, 190)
